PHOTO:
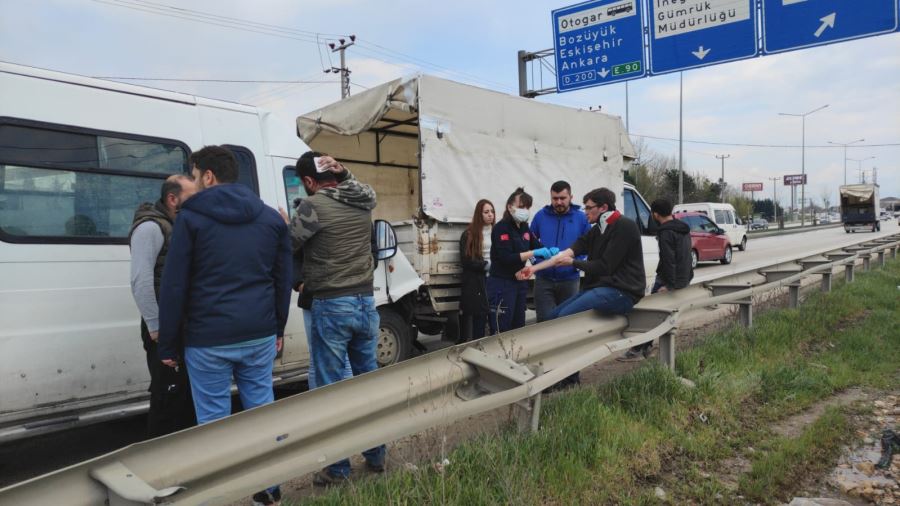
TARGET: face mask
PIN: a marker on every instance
(521, 214)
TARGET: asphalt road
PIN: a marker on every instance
(21, 460)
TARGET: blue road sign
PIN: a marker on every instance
(598, 42)
(687, 34)
(795, 24)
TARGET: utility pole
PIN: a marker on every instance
(803, 154)
(343, 70)
(722, 181)
(774, 198)
(680, 138)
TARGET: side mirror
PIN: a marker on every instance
(385, 240)
(720, 231)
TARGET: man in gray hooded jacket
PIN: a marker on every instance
(333, 226)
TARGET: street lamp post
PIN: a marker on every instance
(803, 154)
(845, 144)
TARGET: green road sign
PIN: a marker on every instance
(626, 68)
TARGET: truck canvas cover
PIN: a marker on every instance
(469, 143)
(857, 193)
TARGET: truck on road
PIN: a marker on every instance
(859, 207)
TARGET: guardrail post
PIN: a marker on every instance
(893, 252)
(848, 273)
(826, 281)
(528, 411)
(667, 350)
(746, 312)
(794, 291)
(866, 261)
(881, 258)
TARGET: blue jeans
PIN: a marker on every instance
(211, 368)
(311, 373)
(604, 299)
(342, 327)
(506, 298)
(548, 294)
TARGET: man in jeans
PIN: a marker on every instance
(614, 270)
(226, 291)
(333, 227)
(557, 226)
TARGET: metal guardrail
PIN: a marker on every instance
(234, 457)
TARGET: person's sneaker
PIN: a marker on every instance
(264, 498)
(325, 479)
(632, 355)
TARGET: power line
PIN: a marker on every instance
(747, 145)
(187, 80)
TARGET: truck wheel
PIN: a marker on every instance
(695, 259)
(394, 338)
(727, 258)
(743, 245)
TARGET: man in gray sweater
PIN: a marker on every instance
(171, 406)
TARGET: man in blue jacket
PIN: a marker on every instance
(226, 291)
(557, 225)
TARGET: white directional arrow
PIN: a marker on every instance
(827, 22)
(603, 72)
(700, 53)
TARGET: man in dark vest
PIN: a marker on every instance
(171, 406)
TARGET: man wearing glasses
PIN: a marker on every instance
(614, 270)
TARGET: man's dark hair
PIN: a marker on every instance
(661, 207)
(172, 186)
(601, 196)
(560, 186)
(306, 167)
(524, 199)
(219, 160)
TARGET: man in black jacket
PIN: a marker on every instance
(614, 270)
(674, 269)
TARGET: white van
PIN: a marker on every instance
(724, 216)
(77, 156)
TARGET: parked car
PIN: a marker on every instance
(708, 241)
(724, 216)
(759, 224)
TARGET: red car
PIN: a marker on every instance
(708, 241)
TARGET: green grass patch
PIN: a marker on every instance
(792, 460)
(613, 444)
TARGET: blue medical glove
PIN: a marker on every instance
(554, 251)
(542, 253)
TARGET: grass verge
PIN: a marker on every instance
(615, 443)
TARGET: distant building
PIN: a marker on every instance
(890, 203)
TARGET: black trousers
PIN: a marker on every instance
(171, 404)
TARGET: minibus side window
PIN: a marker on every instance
(63, 184)
(246, 167)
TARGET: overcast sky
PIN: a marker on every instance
(476, 42)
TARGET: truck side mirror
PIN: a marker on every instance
(385, 240)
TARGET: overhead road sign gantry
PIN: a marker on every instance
(598, 42)
(686, 34)
(796, 24)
